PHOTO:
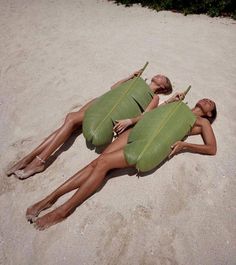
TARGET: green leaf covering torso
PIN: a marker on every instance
(128, 100)
(150, 140)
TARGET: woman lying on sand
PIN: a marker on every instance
(90, 178)
(34, 162)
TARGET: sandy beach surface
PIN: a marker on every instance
(57, 55)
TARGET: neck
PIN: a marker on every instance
(154, 89)
(197, 111)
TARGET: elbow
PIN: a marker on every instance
(212, 151)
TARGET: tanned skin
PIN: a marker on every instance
(34, 162)
(90, 178)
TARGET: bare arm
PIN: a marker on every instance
(176, 97)
(153, 104)
(203, 127)
(195, 130)
(121, 125)
(125, 79)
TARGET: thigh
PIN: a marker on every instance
(114, 160)
(118, 143)
(78, 116)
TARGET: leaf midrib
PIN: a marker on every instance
(155, 133)
(126, 92)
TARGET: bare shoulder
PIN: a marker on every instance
(199, 125)
(202, 122)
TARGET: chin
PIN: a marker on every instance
(200, 104)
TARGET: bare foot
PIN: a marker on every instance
(24, 174)
(33, 211)
(19, 165)
(49, 219)
(34, 167)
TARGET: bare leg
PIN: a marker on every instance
(28, 158)
(104, 164)
(74, 182)
(72, 122)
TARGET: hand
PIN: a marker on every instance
(136, 73)
(176, 148)
(176, 97)
(121, 125)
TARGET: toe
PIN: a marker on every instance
(31, 218)
(19, 173)
(9, 172)
(38, 225)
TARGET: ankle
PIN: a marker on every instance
(65, 210)
(62, 213)
(51, 199)
(40, 160)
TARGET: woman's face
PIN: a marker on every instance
(158, 83)
(206, 105)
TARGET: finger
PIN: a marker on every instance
(171, 154)
(173, 145)
(116, 126)
(121, 131)
(173, 151)
(176, 98)
(116, 122)
(120, 128)
(117, 130)
(121, 123)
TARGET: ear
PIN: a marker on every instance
(209, 114)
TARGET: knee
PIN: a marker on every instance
(70, 119)
(103, 162)
(93, 164)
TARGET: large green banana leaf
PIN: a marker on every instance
(126, 101)
(150, 140)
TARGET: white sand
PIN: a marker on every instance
(57, 55)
